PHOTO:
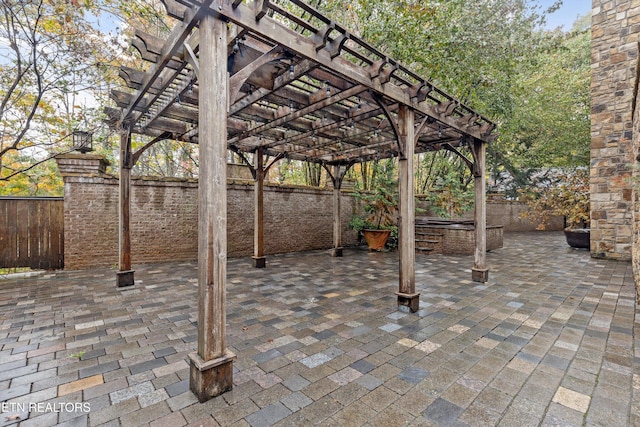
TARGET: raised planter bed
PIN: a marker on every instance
(458, 236)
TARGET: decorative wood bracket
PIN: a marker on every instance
(192, 59)
(237, 80)
(335, 46)
(421, 127)
(138, 153)
(261, 9)
(322, 36)
(338, 173)
(447, 108)
(475, 169)
(175, 9)
(468, 162)
(246, 161)
(420, 91)
(379, 69)
(394, 123)
(253, 168)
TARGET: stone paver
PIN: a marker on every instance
(549, 340)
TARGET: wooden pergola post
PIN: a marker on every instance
(337, 176)
(212, 366)
(124, 275)
(480, 272)
(337, 223)
(407, 295)
(259, 260)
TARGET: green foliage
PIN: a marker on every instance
(492, 54)
(381, 203)
(497, 57)
(566, 194)
(450, 198)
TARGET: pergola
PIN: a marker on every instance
(271, 79)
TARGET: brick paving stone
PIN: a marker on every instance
(442, 411)
(295, 383)
(233, 413)
(113, 412)
(79, 385)
(177, 388)
(147, 366)
(145, 415)
(16, 391)
(319, 344)
(174, 419)
(81, 421)
(10, 374)
(98, 369)
(268, 415)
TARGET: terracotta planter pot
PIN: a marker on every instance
(376, 239)
(578, 237)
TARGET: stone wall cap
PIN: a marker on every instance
(81, 156)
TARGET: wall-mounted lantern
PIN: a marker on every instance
(82, 141)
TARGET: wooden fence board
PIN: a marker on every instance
(32, 232)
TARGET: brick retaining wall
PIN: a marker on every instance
(164, 218)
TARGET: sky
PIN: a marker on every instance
(567, 14)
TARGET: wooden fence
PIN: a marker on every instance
(32, 232)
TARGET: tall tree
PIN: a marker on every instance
(49, 65)
(493, 55)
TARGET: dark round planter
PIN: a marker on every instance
(578, 237)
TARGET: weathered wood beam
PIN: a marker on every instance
(464, 158)
(259, 260)
(170, 49)
(302, 112)
(175, 9)
(244, 16)
(284, 79)
(211, 371)
(337, 174)
(124, 275)
(480, 272)
(239, 78)
(408, 298)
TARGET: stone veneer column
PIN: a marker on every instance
(614, 53)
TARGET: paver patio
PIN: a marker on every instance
(549, 340)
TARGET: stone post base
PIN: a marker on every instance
(408, 301)
(336, 252)
(124, 278)
(259, 262)
(480, 275)
(211, 378)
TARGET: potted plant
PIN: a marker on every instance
(567, 196)
(379, 221)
